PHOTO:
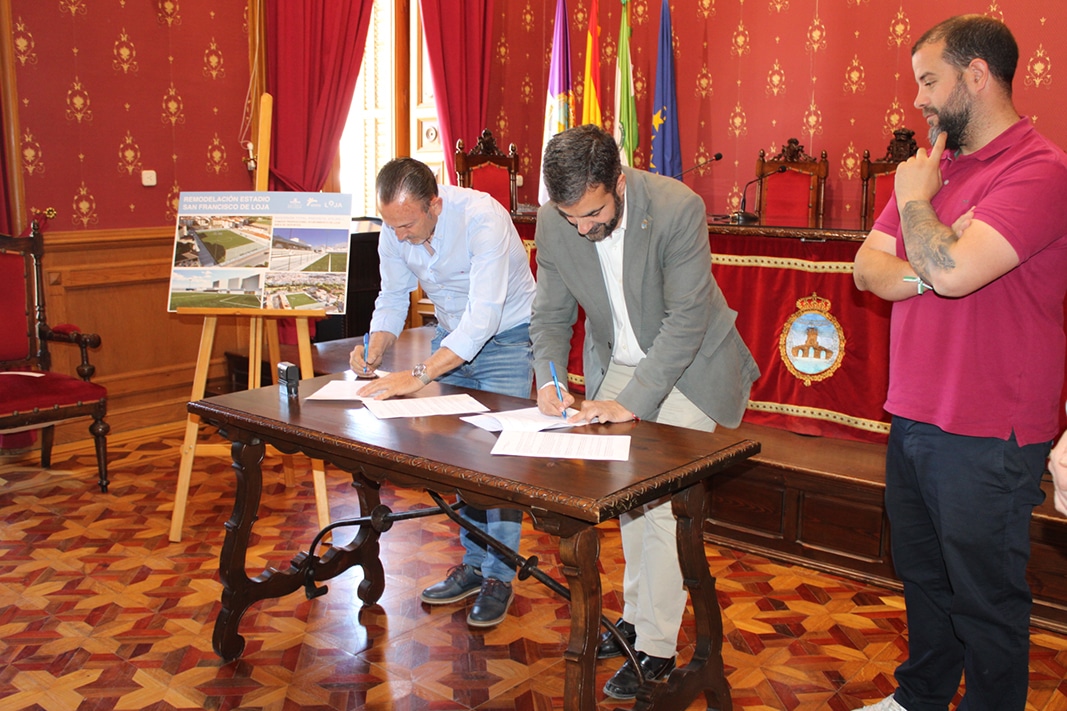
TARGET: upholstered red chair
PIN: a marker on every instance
(791, 187)
(488, 169)
(877, 176)
(32, 397)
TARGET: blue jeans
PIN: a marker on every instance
(959, 512)
(505, 366)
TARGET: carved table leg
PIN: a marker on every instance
(704, 673)
(579, 553)
(239, 591)
(366, 542)
(236, 586)
(306, 570)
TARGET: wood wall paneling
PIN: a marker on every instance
(819, 502)
(148, 356)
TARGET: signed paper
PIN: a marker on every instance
(342, 389)
(562, 445)
(528, 419)
(424, 406)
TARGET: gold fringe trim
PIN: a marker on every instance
(817, 413)
(803, 265)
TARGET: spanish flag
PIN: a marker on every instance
(591, 83)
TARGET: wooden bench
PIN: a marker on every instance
(818, 502)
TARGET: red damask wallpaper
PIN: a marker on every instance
(107, 90)
(835, 74)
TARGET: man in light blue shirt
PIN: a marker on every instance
(461, 246)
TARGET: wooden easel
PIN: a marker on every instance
(262, 322)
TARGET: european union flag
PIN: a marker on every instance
(666, 146)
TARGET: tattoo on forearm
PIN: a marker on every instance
(926, 239)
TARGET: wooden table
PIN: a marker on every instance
(566, 498)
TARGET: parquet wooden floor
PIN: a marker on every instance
(98, 610)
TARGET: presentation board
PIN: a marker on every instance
(261, 250)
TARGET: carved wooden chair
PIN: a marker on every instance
(791, 187)
(490, 170)
(32, 396)
(485, 168)
(877, 175)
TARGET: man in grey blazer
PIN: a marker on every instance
(631, 248)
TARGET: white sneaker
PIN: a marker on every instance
(886, 704)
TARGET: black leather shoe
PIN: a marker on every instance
(461, 582)
(491, 605)
(624, 684)
(609, 647)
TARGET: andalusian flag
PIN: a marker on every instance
(559, 106)
(625, 103)
(591, 84)
(666, 146)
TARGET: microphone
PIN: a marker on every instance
(717, 156)
(747, 218)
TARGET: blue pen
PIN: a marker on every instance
(555, 381)
(366, 349)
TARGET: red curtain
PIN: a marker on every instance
(459, 41)
(314, 50)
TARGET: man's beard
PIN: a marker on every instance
(602, 232)
(953, 119)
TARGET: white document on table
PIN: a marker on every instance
(528, 419)
(563, 445)
(25, 373)
(342, 389)
(424, 406)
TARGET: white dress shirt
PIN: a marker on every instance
(609, 250)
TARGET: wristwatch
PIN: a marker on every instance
(419, 371)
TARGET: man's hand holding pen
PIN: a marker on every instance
(367, 356)
(360, 362)
(552, 404)
(549, 403)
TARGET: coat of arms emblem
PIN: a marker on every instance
(812, 344)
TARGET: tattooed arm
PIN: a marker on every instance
(953, 259)
(927, 241)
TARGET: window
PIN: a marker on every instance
(393, 111)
